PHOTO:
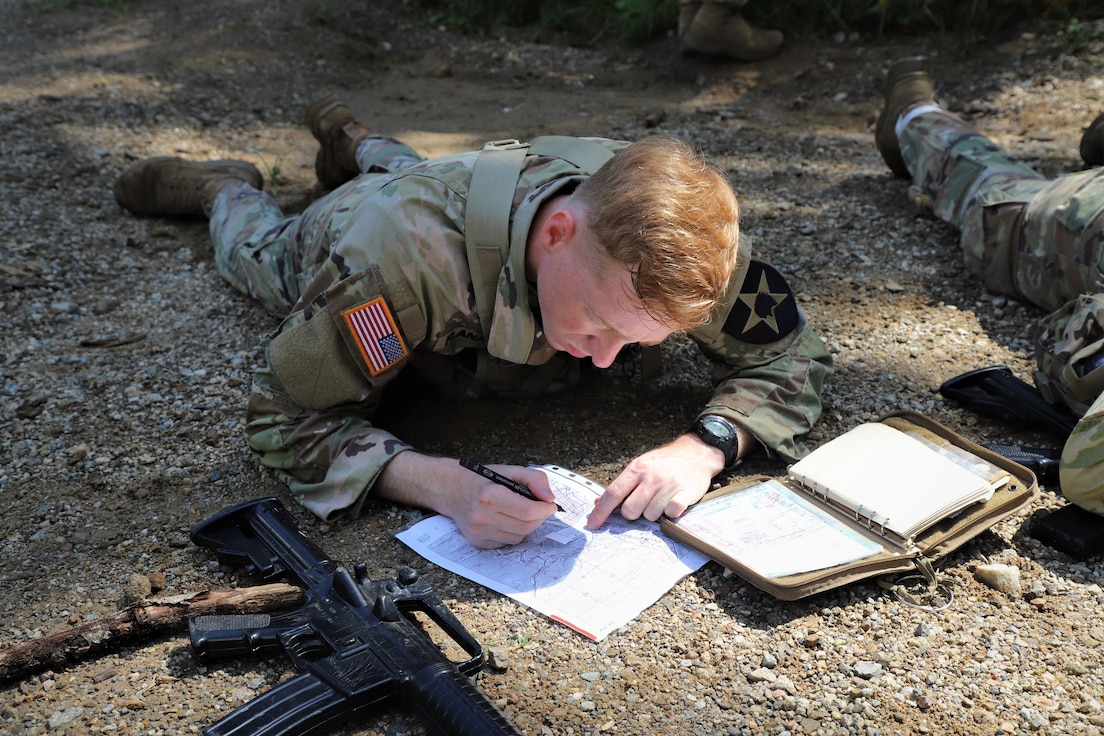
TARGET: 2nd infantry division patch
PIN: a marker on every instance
(376, 335)
(765, 309)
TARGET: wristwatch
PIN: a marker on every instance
(719, 432)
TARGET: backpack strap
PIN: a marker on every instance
(487, 219)
(491, 198)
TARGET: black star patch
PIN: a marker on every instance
(765, 310)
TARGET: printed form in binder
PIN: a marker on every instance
(874, 501)
(774, 531)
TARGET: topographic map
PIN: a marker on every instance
(591, 581)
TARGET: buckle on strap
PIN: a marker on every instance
(505, 144)
(925, 590)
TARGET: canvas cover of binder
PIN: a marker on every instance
(870, 502)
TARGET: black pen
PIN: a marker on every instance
(500, 479)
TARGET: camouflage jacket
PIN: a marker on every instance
(385, 285)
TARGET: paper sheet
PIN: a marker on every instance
(775, 532)
(592, 581)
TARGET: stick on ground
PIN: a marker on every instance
(138, 622)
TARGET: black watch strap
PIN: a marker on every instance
(721, 433)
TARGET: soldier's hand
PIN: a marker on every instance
(487, 514)
(667, 480)
(490, 516)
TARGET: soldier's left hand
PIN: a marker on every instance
(667, 480)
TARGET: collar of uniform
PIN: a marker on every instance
(515, 335)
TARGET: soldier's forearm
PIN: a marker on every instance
(414, 479)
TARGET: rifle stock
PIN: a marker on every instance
(996, 392)
(358, 643)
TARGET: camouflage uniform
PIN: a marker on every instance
(1036, 239)
(397, 232)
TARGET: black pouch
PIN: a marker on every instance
(1071, 529)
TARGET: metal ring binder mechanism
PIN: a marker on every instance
(871, 522)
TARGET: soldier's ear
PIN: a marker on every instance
(559, 228)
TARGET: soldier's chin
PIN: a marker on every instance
(556, 344)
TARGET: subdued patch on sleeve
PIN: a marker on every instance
(764, 310)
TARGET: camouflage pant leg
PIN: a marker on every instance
(1081, 470)
(1064, 229)
(379, 154)
(1022, 234)
(270, 256)
(959, 169)
(249, 233)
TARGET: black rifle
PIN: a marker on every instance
(1043, 461)
(358, 644)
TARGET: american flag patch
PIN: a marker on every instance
(376, 335)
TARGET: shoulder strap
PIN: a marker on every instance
(487, 219)
(491, 197)
(585, 154)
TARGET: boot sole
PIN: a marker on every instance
(319, 110)
(141, 190)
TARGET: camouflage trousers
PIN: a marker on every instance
(272, 257)
(1037, 239)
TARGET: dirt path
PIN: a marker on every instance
(125, 362)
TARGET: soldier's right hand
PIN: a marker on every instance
(490, 515)
(486, 513)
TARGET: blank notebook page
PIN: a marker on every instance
(890, 478)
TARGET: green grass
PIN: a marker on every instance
(1078, 35)
(272, 172)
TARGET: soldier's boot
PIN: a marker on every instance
(908, 83)
(174, 186)
(687, 11)
(338, 133)
(719, 30)
(1092, 143)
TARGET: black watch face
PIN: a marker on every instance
(718, 427)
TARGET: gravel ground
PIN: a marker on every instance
(125, 364)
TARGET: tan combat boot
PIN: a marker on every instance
(687, 11)
(908, 83)
(173, 186)
(1092, 143)
(333, 125)
(721, 31)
